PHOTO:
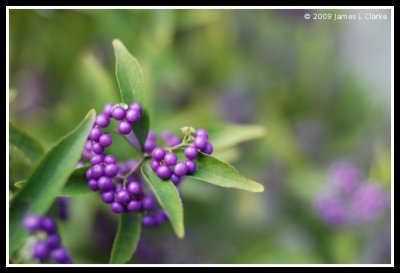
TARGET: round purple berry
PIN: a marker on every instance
(117, 207)
(170, 159)
(134, 188)
(160, 217)
(158, 153)
(124, 127)
(86, 154)
(148, 221)
(95, 133)
(151, 136)
(176, 179)
(105, 140)
(102, 120)
(154, 164)
(31, 223)
(149, 145)
(136, 107)
(97, 171)
(191, 166)
(60, 255)
(208, 149)
(191, 152)
(40, 250)
(133, 115)
(110, 159)
(97, 148)
(96, 159)
(93, 185)
(201, 133)
(48, 224)
(148, 203)
(163, 172)
(180, 169)
(53, 241)
(89, 173)
(123, 196)
(118, 113)
(105, 183)
(134, 206)
(200, 142)
(80, 165)
(107, 109)
(108, 197)
(111, 170)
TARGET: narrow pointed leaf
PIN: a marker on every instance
(77, 184)
(47, 180)
(168, 197)
(131, 85)
(126, 238)
(25, 143)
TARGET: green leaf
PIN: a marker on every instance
(127, 238)
(25, 143)
(229, 135)
(214, 171)
(76, 184)
(131, 85)
(168, 198)
(20, 184)
(47, 180)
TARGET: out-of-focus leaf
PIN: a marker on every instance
(76, 184)
(168, 198)
(47, 180)
(25, 143)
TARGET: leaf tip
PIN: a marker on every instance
(116, 42)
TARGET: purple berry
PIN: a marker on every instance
(180, 169)
(96, 159)
(151, 136)
(148, 203)
(97, 148)
(89, 173)
(110, 159)
(118, 113)
(117, 207)
(40, 250)
(176, 179)
(149, 145)
(105, 183)
(191, 166)
(60, 255)
(163, 172)
(108, 197)
(95, 133)
(160, 217)
(148, 221)
(48, 224)
(80, 165)
(136, 107)
(134, 206)
(170, 159)
(134, 188)
(124, 127)
(102, 120)
(133, 115)
(201, 133)
(86, 154)
(105, 140)
(200, 142)
(53, 241)
(158, 153)
(123, 196)
(97, 171)
(31, 223)
(191, 152)
(93, 185)
(208, 149)
(111, 170)
(154, 164)
(107, 109)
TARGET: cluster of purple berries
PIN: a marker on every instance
(347, 200)
(63, 207)
(166, 165)
(49, 247)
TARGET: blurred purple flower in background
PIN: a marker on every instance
(348, 201)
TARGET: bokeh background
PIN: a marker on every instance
(321, 88)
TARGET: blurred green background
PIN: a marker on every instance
(321, 88)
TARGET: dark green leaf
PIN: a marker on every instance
(217, 172)
(168, 198)
(76, 184)
(47, 180)
(25, 143)
(131, 85)
(127, 238)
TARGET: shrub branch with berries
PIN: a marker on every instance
(144, 190)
